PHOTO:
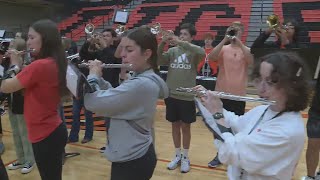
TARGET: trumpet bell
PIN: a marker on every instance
(89, 29)
(273, 21)
(120, 29)
(156, 28)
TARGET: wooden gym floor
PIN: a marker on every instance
(91, 164)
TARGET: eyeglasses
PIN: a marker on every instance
(264, 82)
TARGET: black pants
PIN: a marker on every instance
(48, 153)
(138, 169)
(0, 126)
(3, 172)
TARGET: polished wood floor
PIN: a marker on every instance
(91, 164)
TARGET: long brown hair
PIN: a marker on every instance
(52, 47)
(146, 40)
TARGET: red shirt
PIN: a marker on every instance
(213, 64)
(40, 80)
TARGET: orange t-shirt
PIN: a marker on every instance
(213, 64)
(233, 70)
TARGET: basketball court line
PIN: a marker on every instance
(161, 160)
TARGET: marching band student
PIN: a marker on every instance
(3, 171)
(234, 60)
(313, 132)
(287, 37)
(23, 147)
(206, 67)
(44, 82)
(180, 109)
(131, 106)
(269, 139)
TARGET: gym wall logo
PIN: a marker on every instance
(182, 62)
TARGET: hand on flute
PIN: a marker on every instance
(95, 67)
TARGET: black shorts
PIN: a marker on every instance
(313, 124)
(177, 110)
(238, 107)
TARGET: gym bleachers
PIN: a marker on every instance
(208, 16)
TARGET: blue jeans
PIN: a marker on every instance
(76, 109)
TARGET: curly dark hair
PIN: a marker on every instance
(290, 73)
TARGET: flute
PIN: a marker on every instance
(20, 53)
(224, 95)
(108, 66)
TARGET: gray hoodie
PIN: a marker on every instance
(132, 107)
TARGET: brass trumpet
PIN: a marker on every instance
(120, 29)
(89, 29)
(273, 22)
(156, 29)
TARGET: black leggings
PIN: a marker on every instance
(3, 172)
(0, 126)
(48, 153)
(140, 169)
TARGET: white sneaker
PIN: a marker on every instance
(27, 168)
(185, 165)
(174, 163)
(307, 178)
(14, 166)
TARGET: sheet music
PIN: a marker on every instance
(72, 81)
(208, 119)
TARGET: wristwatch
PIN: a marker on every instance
(217, 115)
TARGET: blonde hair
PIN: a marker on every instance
(238, 24)
(18, 44)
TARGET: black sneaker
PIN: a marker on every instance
(215, 162)
(102, 149)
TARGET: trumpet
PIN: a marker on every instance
(21, 53)
(223, 95)
(89, 29)
(156, 29)
(232, 33)
(120, 29)
(274, 22)
(108, 66)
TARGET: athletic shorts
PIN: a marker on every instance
(313, 124)
(177, 110)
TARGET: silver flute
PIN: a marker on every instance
(21, 53)
(224, 95)
(108, 66)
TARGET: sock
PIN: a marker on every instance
(185, 153)
(178, 152)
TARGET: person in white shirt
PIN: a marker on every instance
(268, 140)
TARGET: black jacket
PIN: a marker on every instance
(107, 56)
(260, 43)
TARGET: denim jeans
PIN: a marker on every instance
(23, 146)
(61, 113)
(76, 109)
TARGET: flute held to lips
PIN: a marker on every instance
(108, 66)
(224, 95)
(20, 53)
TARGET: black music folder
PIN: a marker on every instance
(77, 82)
